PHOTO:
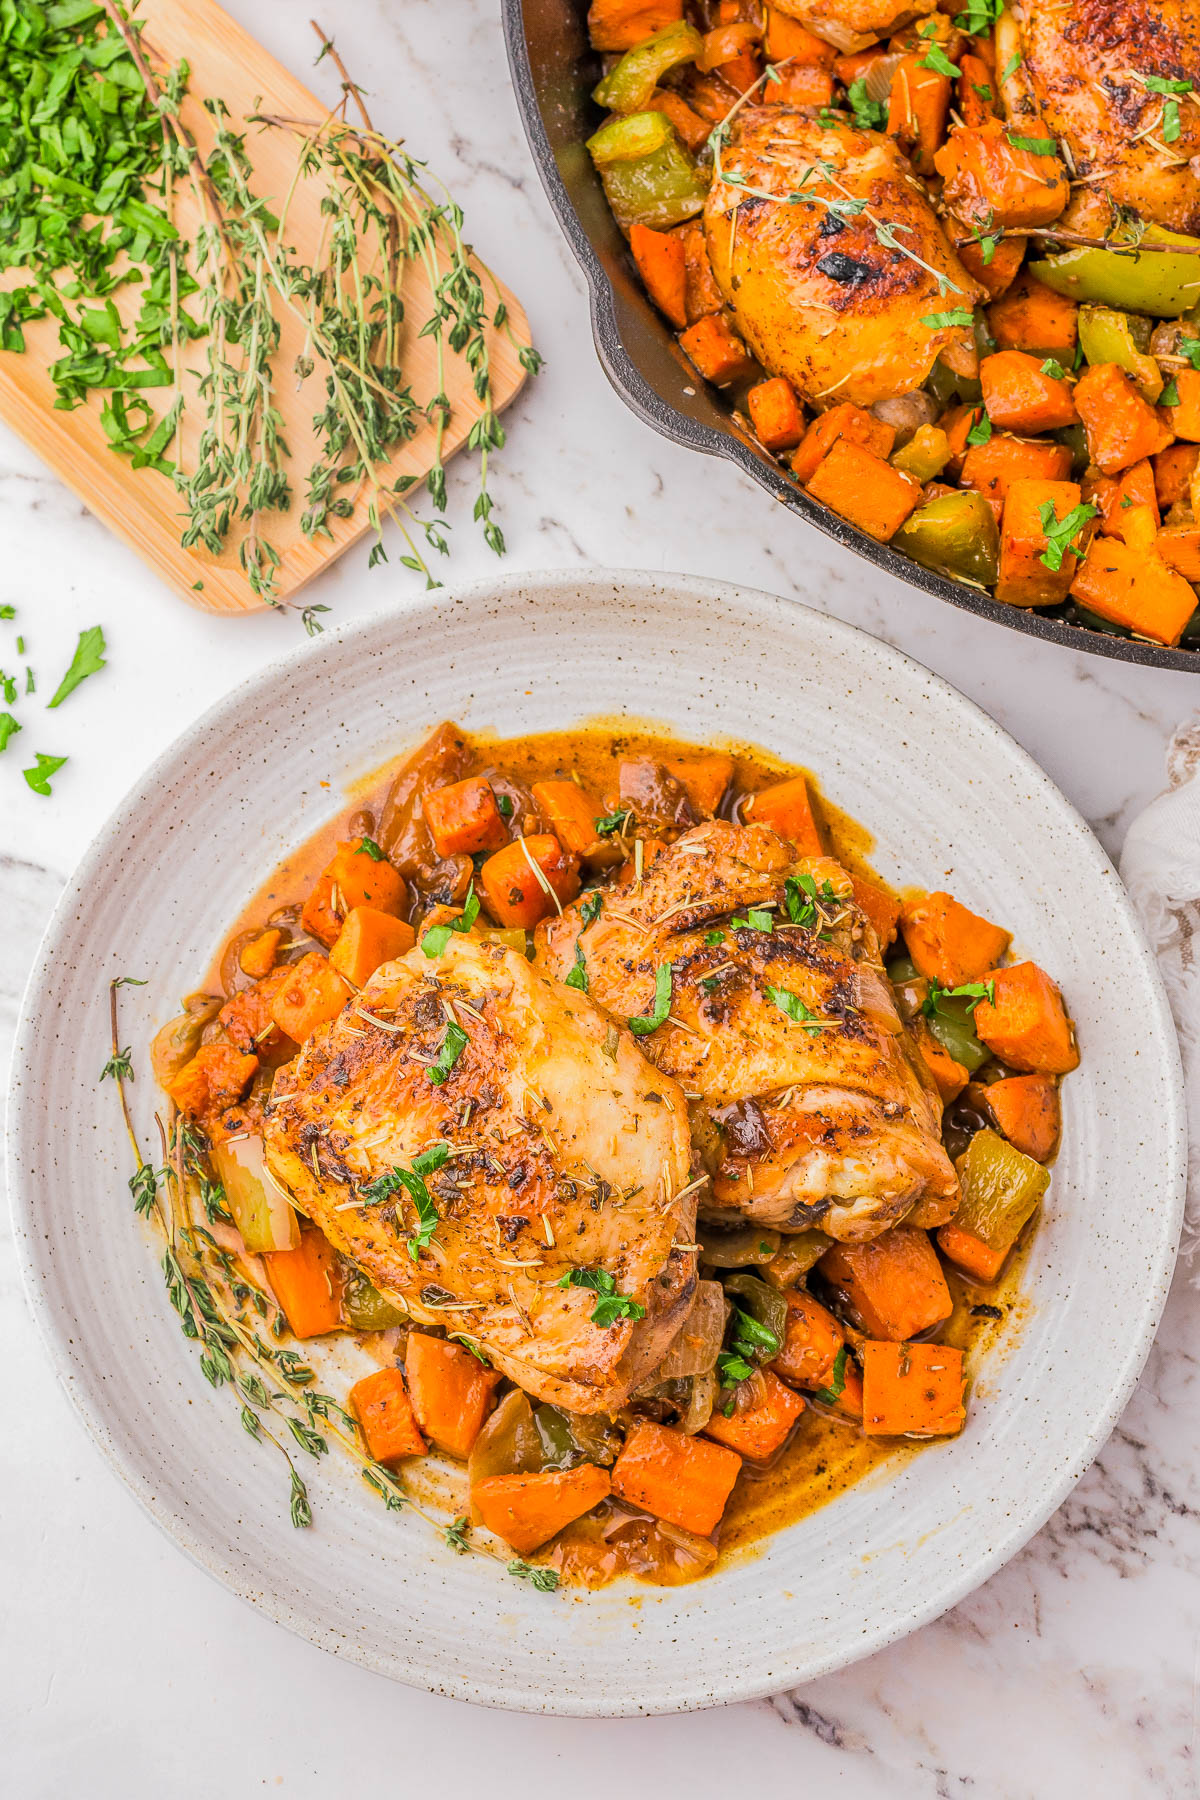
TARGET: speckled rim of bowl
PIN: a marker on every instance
(684, 1691)
(630, 339)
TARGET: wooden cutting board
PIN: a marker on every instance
(142, 506)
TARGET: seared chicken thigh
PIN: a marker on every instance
(1087, 66)
(817, 292)
(556, 1149)
(809, 1104)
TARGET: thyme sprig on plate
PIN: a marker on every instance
(236, 1323)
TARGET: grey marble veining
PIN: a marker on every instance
(1074, 1670)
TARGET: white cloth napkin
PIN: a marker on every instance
(1160, 865)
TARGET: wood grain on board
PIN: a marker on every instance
(142, 505)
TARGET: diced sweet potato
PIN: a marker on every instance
(516, 892)
(313, 995)
(367, 940)
(843, 421)
(1027, 1109)
(216, 1077)
(694, 130)
(982, 1262)
(1025, 579)
(354, 878)
(1184, 419)
(992, 468)
(787, 809)
(1032, 317)
(1179, 547)
(757, 1432)
(463, 818)
(1134, 587)
(811, 1343)
(1027, 1027)
(1173, 470)
(620, 24)
(894, 1285)
(257, 958)
(786, 39)
(912, 1390)
(528, 1510)
(684, 1480)
(865, 490)
(998, 275)
(1128, 502)
(662, 265)
(384, 1412)
(1020, 396)
(1121, 426)
(948, 943)
(776, 414)
(450, 1390)
(918, 106)
(307, 1284)
(571, 814)
(703, 296)
(704, 779)
(881, 908)
(800, 84)
(993, 181)
(720, 356)
(949, 1076)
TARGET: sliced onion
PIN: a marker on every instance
(879, 77)
(693, 1351)
(177, 1042)
(509, 1443)
(261, 1210)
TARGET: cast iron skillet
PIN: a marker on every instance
(554, 70)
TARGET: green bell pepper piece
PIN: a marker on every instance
(648, 176)
(365, 1307)
(1075, 438)
(956, 534)
(1108, 336)
(951, 1023)
(925, 455)
(1154, 282)
(629, 84)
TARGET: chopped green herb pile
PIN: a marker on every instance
(610, 1306)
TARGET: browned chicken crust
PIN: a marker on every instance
(817, 296)
(569, 1152)
(827, 1117)
(853, 24)
(1087, 65)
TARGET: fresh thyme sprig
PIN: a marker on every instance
(229, 1316)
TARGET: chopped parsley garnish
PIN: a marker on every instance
(732, 1368)
(614, 821)
(452, 1047)
(438, 936)
(804, 899)
(974, 991)
(756, 919)
(1035, 146)
(645, 1023)
(370, 848)
(1011, 66)
(87, 660)
(577, 975)
(504, 806)
(1190, 347)
(980, 16)
(751, 1339)
(411, 1182)
(981, 431)
(794, 1008)
(1061, 534)
(1170, 393)
(983, 90)
(935, 58)
(590, 905)
(610, 1306)
(869, 115)
(8, 728)
(714, 937)
(1159, 84)
(831, 1394)
(958, 315)
(1055, 369)
(44, 767)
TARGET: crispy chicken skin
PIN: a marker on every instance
(833, 1121)
(853, 24)
(816, 295)
(1086, 65)
(569, 1152)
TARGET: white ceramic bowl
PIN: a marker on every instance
(951, 800)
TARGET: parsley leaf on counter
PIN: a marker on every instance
(87, 660)
(44, 767)
(9, 727)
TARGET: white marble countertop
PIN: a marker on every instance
(124, 1671)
